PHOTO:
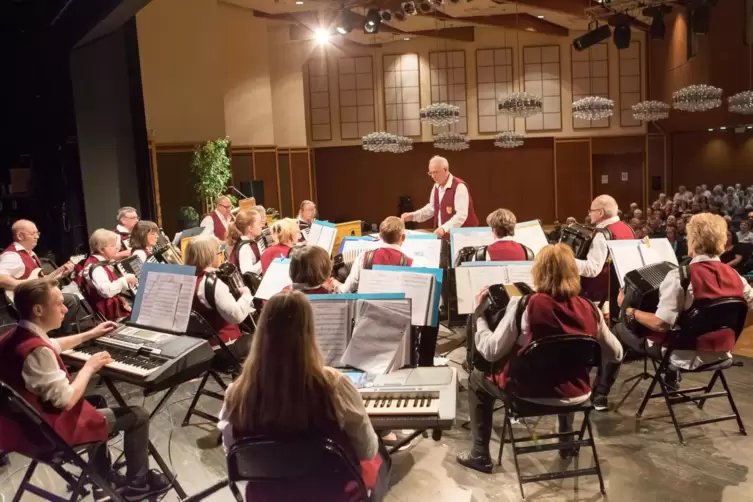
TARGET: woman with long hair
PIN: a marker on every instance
(243, 250)
(143, 238)
(285, 390)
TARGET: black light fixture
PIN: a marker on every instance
(386, 16)
(343, 26)
(373, 20)
(425, 7)
(701, 18)
(399, 15)
(455, 1)
(592, 37)
(409, 8)
(621, 36)
(657, 29)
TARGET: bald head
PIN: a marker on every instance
(25, 233)
(602, 208)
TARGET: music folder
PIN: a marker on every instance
(471, 277)
(165, 297)
(422, 285)
(322, 234)
(275, 279)
(629, 255)
(425, 249)
(528, 233)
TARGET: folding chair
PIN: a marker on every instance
(225, 362)
(569, 354)
(721, 314)
(306, 468)
(57, 453)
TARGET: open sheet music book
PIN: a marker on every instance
(165, 297)
(275, 279)
(419, 287)
(528, 233)
(633, 254)
(425, 249)
(368, 332)
(471, 277)
(322, 234)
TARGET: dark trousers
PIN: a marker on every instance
(427, 345)
(379, 492)
(482, 395)
(134, 422)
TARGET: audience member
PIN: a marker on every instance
(745, 235)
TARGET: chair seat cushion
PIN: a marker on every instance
(523, 408)
(719, 365)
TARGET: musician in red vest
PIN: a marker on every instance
(311, 271)
(710, 279)
(504, 247)
(285, 233)
(216, 222)
(127, 219)
(143, 239)
(554, 309)
(243, 250)
(386, 252)
(102, 286)
(306, 215)
(32, 367)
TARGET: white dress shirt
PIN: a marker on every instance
(141, 254)
(11, 263)
(460, 205)
(673, 302)
(597, 254)
(495, 345)
(127, 241)
(746, 237)
(41, 372)
(208, 223)
(351, 283)
(246, 257)
(232, 310)
(104, 286)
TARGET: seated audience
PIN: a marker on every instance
(101, 284)
(285, 234)
(731, 255)
(143, 238)
(681, 226)
(556, 233)
(570, 220)
(286, 391)
(33, 368)
(243, 250)
(745, 235)
(679, 245)
(311, 271)
(556, 308)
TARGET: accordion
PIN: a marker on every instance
(642, 291)
(165, 252)
(343, 262)
(264, 240)
(470, 253)
(129, 265)
(579, 238)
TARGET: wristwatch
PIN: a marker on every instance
(630, 315)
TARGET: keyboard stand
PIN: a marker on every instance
(152, 449)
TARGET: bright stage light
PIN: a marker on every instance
(321, 35)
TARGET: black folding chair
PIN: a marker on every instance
(569, 354)
(724, 313)
(57, 453)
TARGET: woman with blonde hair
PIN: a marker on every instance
(143, 238)
(102, 286)
(285, 233)
(555, 309)
(285, 390)
(243, 250)
(306, 215)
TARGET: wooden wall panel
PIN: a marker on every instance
(242, 165)
(656, 157)
(176, 185)
(301, 177)
(711, 158)
(573, 173)
(617, 167)
(354, 184)
(265, 169)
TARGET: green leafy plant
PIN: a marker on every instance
(211, 166)
(233, 199)
(188, 213)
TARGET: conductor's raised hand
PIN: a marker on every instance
(482, 294)
(406, 217)
(439, 232)
(103, 329)
(97, 361)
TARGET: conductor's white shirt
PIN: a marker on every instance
(460, 204)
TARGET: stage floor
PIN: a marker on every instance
(641, 461)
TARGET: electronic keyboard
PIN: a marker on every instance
(146, 358)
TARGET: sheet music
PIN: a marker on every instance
(625, 258)
(470, 280)
(379, 329)
(358, 245)
(530, 233)
(658, 250)
(331, 323)
(322, 236)
(167, 301)
(520, 273)
(274, 280)
(425, 252)
(481, 236)
(416, 286)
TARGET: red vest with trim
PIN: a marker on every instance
(549, 317)
(271, 253)
(79, 425)
(30, 261)
(446, 206)
(597, 288)
(124, 236)
(234, 256)
(219, 227)
(387, 256)
(321, 290)
(506, 251)
(227, 331)
(111, 308)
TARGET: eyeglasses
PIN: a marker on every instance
(34, 234)
(592, 210)
(223, 205)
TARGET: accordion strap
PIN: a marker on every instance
(210, 286)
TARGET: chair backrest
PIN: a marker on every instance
(16, 410)
(716, 315)
(566, 353)
(200, 327)
(305, 463)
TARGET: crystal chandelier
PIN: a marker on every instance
(508, 139)
(650, 111)
(451, 141)
(593, 108)
(741, 103)
(385, 142)
(697, 98)
(520, 105)
(440, 114)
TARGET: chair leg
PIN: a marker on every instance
(657, 374)
(502, 439)
(665, 393)
(587, 421)
(195, 399)
(583, 427)
(219, 380)
(709, 387)
(236, 492)
(732, 403)
(27, 476)
(515, 456)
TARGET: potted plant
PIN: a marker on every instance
(211, 167)
(189, 217)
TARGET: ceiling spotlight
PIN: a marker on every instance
(711, 130)
(409, 8)
(592, 37)
(622, 36)
(657, 29)
(700, 19)
(386, 16)
(540, 17)
(723, 128)
(425, 7)
(455, 1)
(437, 2)
(321, 35)
(299, 2)
(399, 15)
(343, 25)
(373, 20)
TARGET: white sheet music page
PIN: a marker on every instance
(481, 237)
(425, 252)
(470, 280)
(530, 233)
(625, 257)
(377, 334)
(358, 245)
(322, 236)
(658, 251)
(331, 321)
(275, 280)
(167, 301)
(520, 273)
(416, 286)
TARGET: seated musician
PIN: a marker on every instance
(143, 238)
(555, 309)
(127, 218)
(213, 299)
(216, 222)
(504, 247)
(285, 234)
(294, 394)
(101, 284)
(710, 279)
(392, 236)
(306, 215)
(18, 261)
(33, 368)
(243, 250)
(311, 271)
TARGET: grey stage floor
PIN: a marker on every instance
(642, 461)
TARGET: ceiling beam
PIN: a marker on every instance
(572, 7)
(522, 21)
(461, 34)
(299, 32)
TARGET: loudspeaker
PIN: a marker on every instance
(254, 189)
(656, 183)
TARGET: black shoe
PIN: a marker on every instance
(155, 484)
(481, 464)
(116, 480)
(672, 380)
(600, 402)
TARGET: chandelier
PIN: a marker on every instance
(385, 142)
(593, 108)
(440, 114)
(697, 98)
(650, 111)
(520, 104)
(741, 103)
(451, 141)
(508, 139)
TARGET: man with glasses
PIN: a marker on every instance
(216, 222)
(127, 219)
